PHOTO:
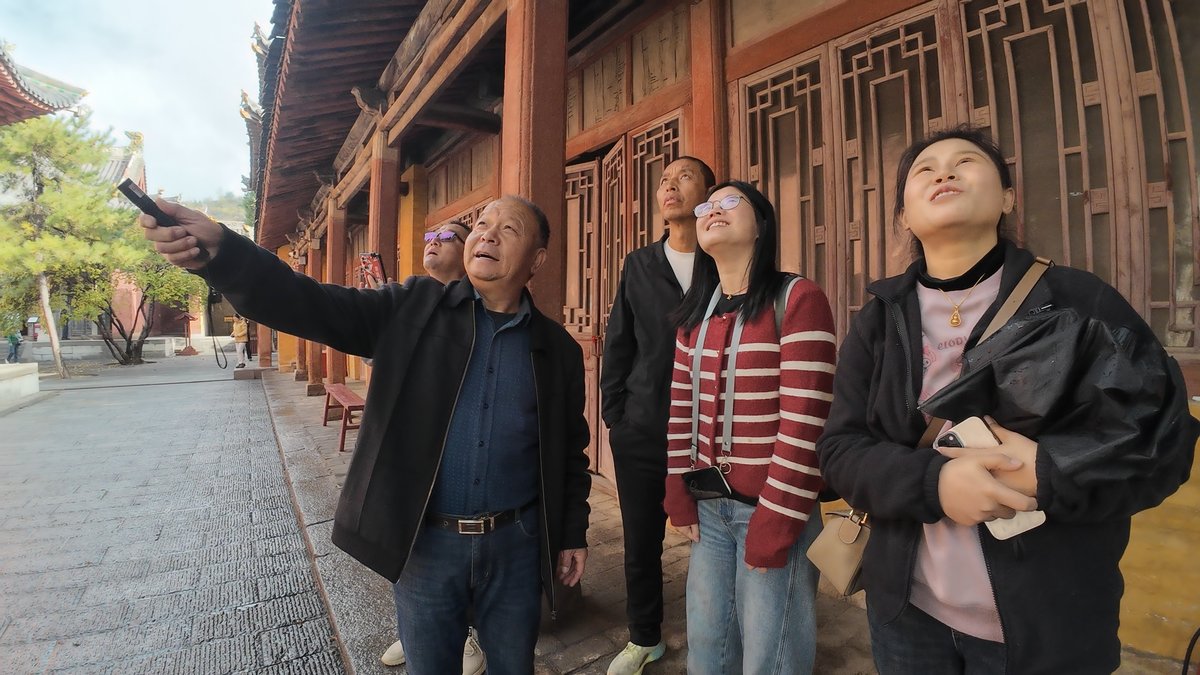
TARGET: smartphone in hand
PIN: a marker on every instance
(974, 432)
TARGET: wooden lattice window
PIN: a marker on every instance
(785, 154)
(1165, 67)
(653, 149)
(891, 95)
(582, 256)
(614, 226)
(1035, 87)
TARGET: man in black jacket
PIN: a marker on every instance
(639, 348)
(469, 484)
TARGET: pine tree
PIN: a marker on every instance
(61, 228)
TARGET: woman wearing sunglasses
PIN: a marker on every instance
(750, 392)
(945, 592)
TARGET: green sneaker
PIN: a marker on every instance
(633, 658)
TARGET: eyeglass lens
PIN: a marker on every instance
(727, 202)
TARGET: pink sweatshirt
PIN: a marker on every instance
(950, 580)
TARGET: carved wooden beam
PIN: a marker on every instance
(370, 100)
(460, 118)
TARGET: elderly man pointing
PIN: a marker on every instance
(469, 484)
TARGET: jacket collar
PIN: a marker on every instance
(462, 291)
(894, 289)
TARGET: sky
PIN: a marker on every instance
(171, 69)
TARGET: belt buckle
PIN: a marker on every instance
(476, 525)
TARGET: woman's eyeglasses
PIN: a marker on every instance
(727, 202)
(443, 236)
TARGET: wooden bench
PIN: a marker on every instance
(341, 396)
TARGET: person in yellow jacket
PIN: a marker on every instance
(241, 338)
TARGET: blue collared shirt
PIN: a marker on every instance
(490, 462)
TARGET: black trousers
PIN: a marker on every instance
(641, 468)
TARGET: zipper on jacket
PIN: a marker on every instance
(987, 564)
(902, 330)
(542, 498)
(445, 437)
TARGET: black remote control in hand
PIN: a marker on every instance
(143, 201)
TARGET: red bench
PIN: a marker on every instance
(341, 396)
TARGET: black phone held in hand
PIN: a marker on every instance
(147, 206)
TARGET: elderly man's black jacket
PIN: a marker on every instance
(420, 336)
(1057, 587)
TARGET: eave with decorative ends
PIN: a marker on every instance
(26, 93)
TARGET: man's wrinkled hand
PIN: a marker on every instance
(570, 565)
(180, 244)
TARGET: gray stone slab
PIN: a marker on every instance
(125, 549)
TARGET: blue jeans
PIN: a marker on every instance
(917, 643)
(743, 621)
(494, 574)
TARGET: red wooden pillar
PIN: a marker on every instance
(264, 346)
(383, 207)
(532, 141)
(301, 360)
(335, 273)
(710, 137)
(316, 367)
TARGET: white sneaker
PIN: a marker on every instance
(394, 655)
(633, 658)
(474, 661)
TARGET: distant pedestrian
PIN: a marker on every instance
(241, 338)
(14, 346)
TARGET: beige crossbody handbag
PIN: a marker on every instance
(838, 550)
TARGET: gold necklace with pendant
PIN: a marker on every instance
(955, 317)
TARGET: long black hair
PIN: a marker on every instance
(966, 132)
(764, 277)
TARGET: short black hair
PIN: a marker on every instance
(706, 172)
(543, 222)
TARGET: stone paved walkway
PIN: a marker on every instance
(145, 527)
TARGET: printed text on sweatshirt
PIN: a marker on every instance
(782, 388)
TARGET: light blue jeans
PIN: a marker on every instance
(744, 621)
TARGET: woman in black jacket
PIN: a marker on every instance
(943, 594)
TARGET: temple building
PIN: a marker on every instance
(382, 119)
(26, 93)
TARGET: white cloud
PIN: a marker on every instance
(171, 70)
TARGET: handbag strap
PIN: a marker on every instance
(1018, 296)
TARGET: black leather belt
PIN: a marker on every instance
(480, 525)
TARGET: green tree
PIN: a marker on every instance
(58, 217)
(157, 282)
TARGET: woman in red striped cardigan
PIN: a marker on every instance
(746, 411)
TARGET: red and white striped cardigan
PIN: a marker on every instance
(783, 387)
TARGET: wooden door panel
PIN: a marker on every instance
(890, 94)
(783, 115)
